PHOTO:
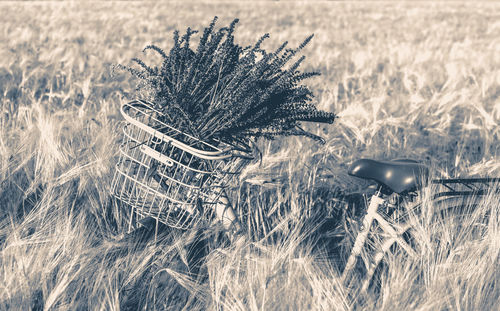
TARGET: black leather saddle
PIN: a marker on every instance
(398, 176)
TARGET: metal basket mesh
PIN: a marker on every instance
(166, 174)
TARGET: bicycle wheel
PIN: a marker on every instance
(446, 227)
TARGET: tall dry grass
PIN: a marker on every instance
(408, 80)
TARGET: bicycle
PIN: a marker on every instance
(168, 178)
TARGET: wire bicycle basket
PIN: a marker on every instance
(167, 174)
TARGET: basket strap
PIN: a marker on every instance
(157, 155)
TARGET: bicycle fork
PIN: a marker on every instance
(225, 213)
(395, 236)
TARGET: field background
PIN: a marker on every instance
(418, 80)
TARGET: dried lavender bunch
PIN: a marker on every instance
(224, 92)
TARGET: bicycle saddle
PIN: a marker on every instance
(397, 176)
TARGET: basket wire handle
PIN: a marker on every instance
(219, 154)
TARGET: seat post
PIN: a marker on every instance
(375, 201)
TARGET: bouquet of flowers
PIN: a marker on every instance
(221, 91)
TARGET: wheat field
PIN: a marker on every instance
(407, 80)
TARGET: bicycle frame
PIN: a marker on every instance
(454, 188)
(473, 186)
(392, 230)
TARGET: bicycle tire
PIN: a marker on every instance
(450, 220)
